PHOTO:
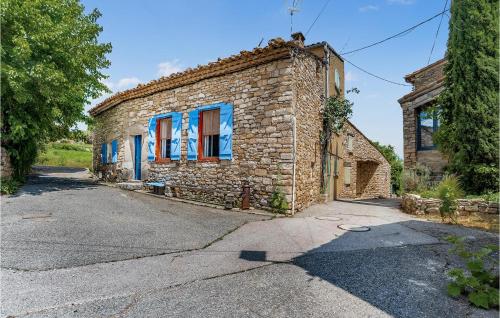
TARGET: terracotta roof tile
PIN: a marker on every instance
(276, 49)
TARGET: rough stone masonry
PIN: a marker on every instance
(276, 93)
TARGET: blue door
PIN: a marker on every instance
(137, 156)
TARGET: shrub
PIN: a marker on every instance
(449, 190)
(489, 196)
(9, 186)
(479, 282)
(417, 179)
(278, 201)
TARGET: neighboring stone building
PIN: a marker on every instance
(251, 119)
(357, 170)
(418, 124)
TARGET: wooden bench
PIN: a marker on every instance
(158, 187)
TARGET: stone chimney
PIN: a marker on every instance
(299, 38)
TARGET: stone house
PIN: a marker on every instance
(250, 120)
(419, 123)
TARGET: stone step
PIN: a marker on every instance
(130, 185)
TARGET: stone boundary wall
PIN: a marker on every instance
(415, 204)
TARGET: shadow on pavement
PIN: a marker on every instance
(403, 275)
(54, 169)
(389, 203)
(49, 179)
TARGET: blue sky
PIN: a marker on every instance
(151, 38)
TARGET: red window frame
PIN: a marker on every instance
(200, 140)
(159, 159)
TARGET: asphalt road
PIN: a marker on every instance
(63, 219)
(71, 248)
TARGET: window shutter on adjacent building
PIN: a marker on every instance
(226, 132)
(192, 151)
(347, 175)
(114, 151)
(152, 139)
(175, 150)
(104, 153)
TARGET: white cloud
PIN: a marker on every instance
(403, 2)
(127, 82)
(368, 7)
(169, 67)
(350, 77)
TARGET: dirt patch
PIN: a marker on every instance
(482, 221)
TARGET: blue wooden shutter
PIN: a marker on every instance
(192, 151)
(152, 139)
(226, 132)
(114, 151)
(104, 153)
(175, 149)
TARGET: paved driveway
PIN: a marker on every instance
(62, 219)
(102, 252)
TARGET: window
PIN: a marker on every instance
(337, 79)
(210, 130)
(164, 137)
(350, 140)
(427, 124)
(109, 153)
(210, 133)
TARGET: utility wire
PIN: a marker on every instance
(399, 34)
(319, 14)
(376, 76)
(437, 32)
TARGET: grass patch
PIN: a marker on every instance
(492, 197)
(9, 186)
(66, 155)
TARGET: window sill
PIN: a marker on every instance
(163, 161)
(427, 149)
(209, 160)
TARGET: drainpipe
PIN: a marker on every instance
(327, 68)
(294, 131)
(326, 62)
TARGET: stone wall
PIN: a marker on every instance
(262, 133)
(308, 90)
(415, 204)
(370, 171)
(5, 165)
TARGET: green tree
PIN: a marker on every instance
(396, 166)
(51, 68)
(469, 104)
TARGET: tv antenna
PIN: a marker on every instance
(292, 10)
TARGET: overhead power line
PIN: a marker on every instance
(398, 34)
(437, 32)
(376, 76)
(317, 17)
